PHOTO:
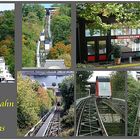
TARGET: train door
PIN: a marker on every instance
(96, 50)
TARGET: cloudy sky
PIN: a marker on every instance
(99, 73)
(47, 5)
(6, 6)
(107, 73)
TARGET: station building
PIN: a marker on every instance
(95, 45)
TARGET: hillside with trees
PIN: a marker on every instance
(61, 34)
(7, 38)
(67, 120)
(33, 102)
(133, 101)
(33, 18)
(118, 84)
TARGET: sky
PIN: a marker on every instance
(99, 73)
(47, 5)
(6, 6)
(107, 73)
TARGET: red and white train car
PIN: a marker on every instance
(103, 87)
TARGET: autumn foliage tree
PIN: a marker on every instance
(7, 38)
(33, 102)
(61, 51)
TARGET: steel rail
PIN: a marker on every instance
(101, 122)
(54, 126)
(94, 122)
(81, 106)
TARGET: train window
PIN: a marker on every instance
(104, 89)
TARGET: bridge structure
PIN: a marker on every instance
(46, 73)
(100, 117)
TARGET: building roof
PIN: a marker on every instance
(55, 64)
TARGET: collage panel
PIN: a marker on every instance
(108, 35)
(100, 103)
(45, 103)
(7, 42)
(46, 35)
(133, 102)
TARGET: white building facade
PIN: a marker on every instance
(5, 75)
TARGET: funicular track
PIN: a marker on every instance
(54, 125)
(88, 119)
(118, 105)
(48, 126)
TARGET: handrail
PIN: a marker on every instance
(31, 131)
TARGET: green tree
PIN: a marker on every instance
(27, 104)
(122, 15)
(65, 9)
(67, 91)
(133, 87)
(37, 9)
(33, 17)
(7, 39)
(6, 24)
(118, 84)
(81, 81)
(33, 102)
(61, 29)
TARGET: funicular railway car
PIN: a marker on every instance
(47, 45)
(103, 87)
(58, 100)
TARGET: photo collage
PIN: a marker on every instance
(69, 69)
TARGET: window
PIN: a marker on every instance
(91, 47)
(127, 45)
(102, 47)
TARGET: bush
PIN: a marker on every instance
(67, 91)
(68, 120)
(67, 123)
(117, 51)
(33, 102)
(27, 104)
(67, 59)
(58, 50)
(67, 132)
